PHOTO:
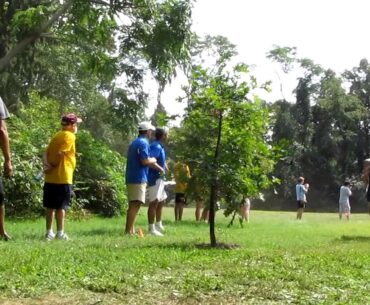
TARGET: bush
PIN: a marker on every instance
(98, 179)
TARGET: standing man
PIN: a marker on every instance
(4, 139)
(156, 192)
(301, 189)
(138, 160)
(59, 165)
(344, 194)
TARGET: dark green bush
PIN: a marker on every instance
(99, 183)
(99, 177)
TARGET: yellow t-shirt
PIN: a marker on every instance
(63, 142)
(182, 176)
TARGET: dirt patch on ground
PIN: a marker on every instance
(63, 300)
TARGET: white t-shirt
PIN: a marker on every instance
(344, 194)
(4, 114)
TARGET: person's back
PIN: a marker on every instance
(344, 194)
(300, 192)
(182, 176)
(136, 171)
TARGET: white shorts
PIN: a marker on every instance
(157, 192)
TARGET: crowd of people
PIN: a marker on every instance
(145, 172)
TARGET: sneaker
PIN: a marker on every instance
(155, 233)
(5, 237)
(49, 236)
(63, 236)
(160, 228)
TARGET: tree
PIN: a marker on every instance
(92, 54)
(359, 81)
(223, 135)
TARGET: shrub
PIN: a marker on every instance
(99, 182)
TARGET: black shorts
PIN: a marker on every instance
(2, 196)
(57, 196)
(301, 204)
(180, 198)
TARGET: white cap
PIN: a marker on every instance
(146, 126)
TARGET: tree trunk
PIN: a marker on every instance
(214, 186)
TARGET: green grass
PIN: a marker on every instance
(318, 260)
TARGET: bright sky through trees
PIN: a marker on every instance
(333, 33)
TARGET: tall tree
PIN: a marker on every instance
(359, 81)
(79, 52)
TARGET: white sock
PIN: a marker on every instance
(151, 227)
(159, 224)
(60, 233)
(50, 232)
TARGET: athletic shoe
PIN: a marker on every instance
(49, 236)
(63, 236)
(160, 228)
(155, 233)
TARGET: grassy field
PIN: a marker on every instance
(318, 260)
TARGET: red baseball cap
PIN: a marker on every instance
(70, 118)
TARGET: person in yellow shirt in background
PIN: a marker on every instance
(59, 165)
(182, 176)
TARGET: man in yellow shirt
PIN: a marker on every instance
(182, 176)
(59, 165)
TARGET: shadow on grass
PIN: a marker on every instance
(182, 246)
(102, 232)
(355, 238)
(188, 246)
(185, 222)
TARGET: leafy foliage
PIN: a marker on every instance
(93, 55)
(223, 135)
(99, 184)
(323, 134)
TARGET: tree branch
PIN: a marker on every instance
(24, 43)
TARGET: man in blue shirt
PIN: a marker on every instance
(156, 192)
(138, 160)
(301, 189)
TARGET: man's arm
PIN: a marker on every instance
(5, 147)
(148, 161)
(156, 167)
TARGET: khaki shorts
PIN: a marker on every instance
(136, 192)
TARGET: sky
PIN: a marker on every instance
(333, 33)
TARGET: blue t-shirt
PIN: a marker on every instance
(157, 151)
(138, 150)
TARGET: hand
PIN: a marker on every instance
(47, 167)
(8, 168)
(162, 171)
(307, 186)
